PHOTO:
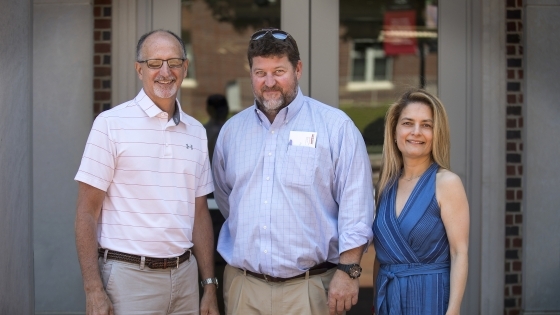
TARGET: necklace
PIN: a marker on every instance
(409, 179)
(413, 177)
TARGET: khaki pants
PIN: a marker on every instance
(247, 295)
(151, 291)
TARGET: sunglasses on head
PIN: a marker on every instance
(276, 33)
(158, 63)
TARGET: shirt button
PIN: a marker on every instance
(269, 153)
(272, 131)
(265, 251)
(267, 178)
(266, 201)
(264, 227)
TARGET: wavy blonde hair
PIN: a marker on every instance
(392, 161)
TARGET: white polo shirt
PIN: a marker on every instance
(152, 169)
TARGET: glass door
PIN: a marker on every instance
(216, 35)
(385, 47)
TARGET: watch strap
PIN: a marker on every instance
(209, 281)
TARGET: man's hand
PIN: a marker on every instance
(98, 303)
(209, 303)
(343, 293)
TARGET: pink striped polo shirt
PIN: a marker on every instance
(152, 169)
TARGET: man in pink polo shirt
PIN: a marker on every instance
(143, 229)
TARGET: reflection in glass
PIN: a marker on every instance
(385, 48)
(216, 34)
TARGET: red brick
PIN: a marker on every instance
(96, 83)
(517, 243)
(511, 99)
(510, 4)
(507, 243)
(516, 289)
(510, 50)
(512, 123)
(102, 96)
(97, 13)
(520, 74)
(102, 48)
(102, 24)
(96, 60)
(511, 26)
(518, 218)
(520, 27)
(509, 219)
(511, 147)
(96, 35)
(100, 2)
(507, 267)
(101, 71)
(510, 195)
(520, 122)
(514, 312)
(519, 195)
(510, 170)
(517, 265)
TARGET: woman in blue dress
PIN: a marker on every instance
(421, 229)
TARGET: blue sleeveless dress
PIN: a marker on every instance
(413, 252)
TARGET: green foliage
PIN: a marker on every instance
(363, 116)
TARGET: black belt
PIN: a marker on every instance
(152, 263)
(315, 270)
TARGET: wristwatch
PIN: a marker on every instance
(353, 270)
(209, 281)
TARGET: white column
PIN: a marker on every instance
(541, 173)
(62, 118)
(472, 86)
(16, 258)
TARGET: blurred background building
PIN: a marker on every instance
(493, 64)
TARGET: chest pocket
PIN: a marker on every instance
(299, 166)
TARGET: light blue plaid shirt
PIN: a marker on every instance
(288, 207)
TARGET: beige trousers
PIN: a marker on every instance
(151, 291)
(247, 295)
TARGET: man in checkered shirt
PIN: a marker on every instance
(293, 180)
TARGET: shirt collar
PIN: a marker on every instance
(152, 110)
(285, 114)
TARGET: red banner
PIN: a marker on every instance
(399, 32)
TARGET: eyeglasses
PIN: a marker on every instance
(276, 33)
(158, 63)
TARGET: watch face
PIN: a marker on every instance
(355, 271)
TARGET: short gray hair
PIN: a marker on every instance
(143, 39)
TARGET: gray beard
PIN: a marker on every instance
(272, 107)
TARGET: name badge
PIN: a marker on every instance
(303, 139)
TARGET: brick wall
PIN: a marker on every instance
(101, 56)
(514, 167)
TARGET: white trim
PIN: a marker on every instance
(132, 19)
(356, 86)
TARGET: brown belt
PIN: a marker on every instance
(152, 263)
(315, 270)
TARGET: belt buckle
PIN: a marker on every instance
(265, 278)
(177, 262)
